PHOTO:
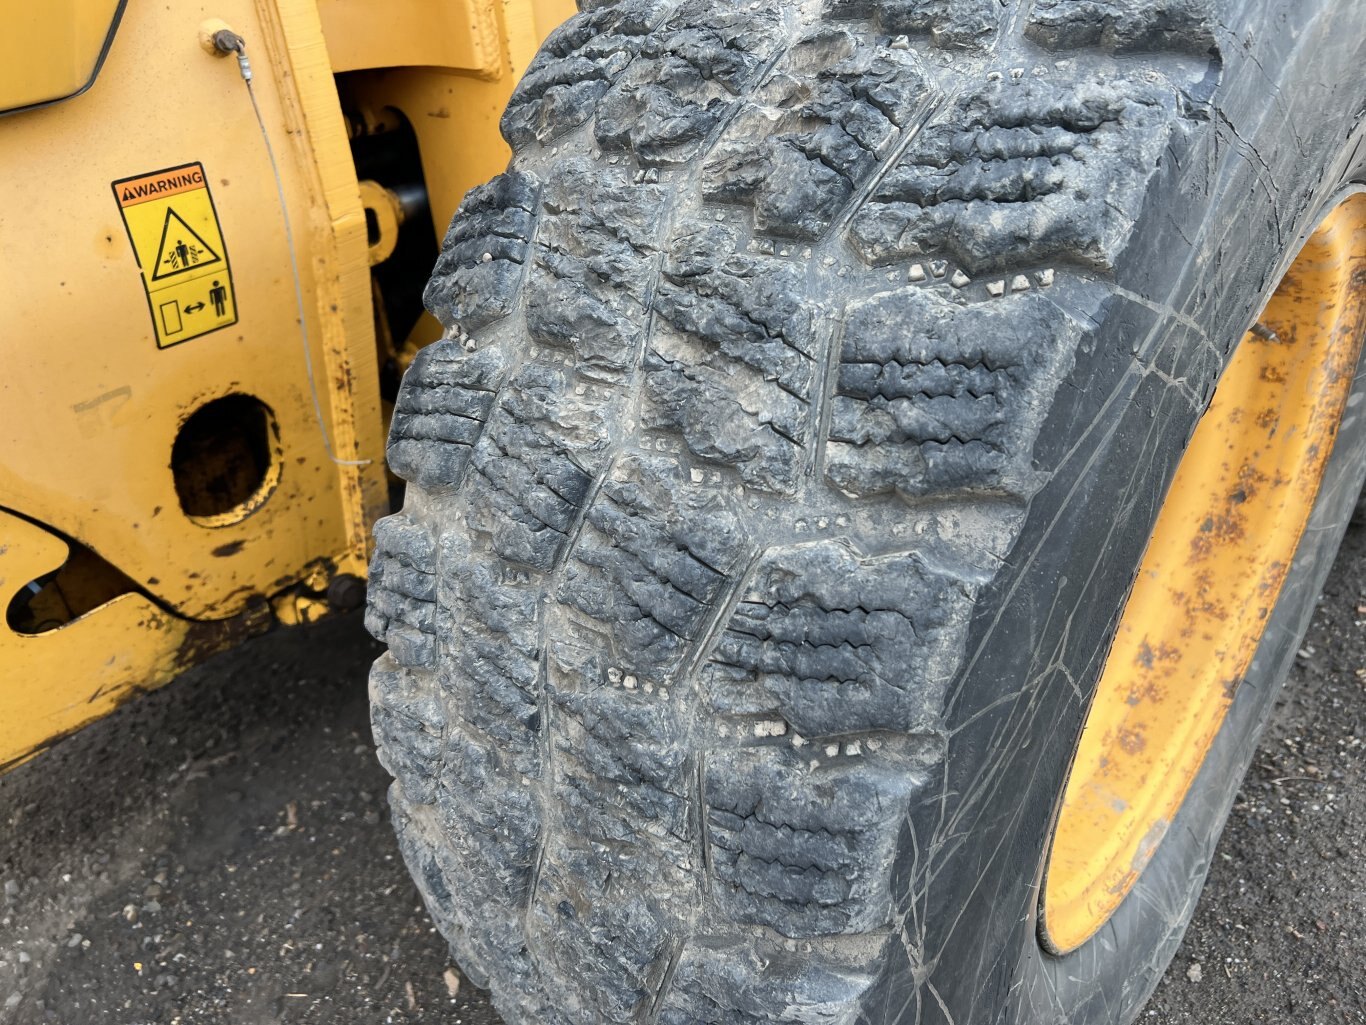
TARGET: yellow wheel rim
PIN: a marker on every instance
(1224, 539)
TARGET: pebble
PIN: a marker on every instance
(11, 889)
(74, 940)
(1194, 972)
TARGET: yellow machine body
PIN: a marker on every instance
(149, 299)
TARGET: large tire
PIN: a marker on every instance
(812, 380)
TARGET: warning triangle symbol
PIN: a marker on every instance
(181, 248)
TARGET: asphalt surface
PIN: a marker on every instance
(219, 852)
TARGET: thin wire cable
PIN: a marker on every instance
(245, 66)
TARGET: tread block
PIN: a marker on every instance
(409, 725)
(807, 853)
(401, 606)
(608, 947)
(620, 771)
(424, 858)
(594, 256)
(950, 24)
(491, 817)
(1123, 26)
(730, 362)
(833, 644)
(492, 681)
(1018, 171)
(654, 558)
(440, 413)
(576, 65)
(685, 77)
(534, 466)
(731, 982)
(817, 130)
(478, 272)
(475, 878)
(933, 396)
(473, 766)
(485, 936)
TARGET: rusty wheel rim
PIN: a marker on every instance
(1225, 536)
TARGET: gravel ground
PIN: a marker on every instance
(219, 852)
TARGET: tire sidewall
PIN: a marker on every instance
(1111, 976)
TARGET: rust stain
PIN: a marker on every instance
(1212, 574)
(1132, 740)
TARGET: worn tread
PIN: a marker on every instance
(762, 285)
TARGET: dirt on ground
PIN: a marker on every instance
(219, 852)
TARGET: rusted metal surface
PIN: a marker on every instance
(1224, 541)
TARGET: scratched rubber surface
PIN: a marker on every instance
(811, 380)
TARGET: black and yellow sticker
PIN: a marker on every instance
(178, 243)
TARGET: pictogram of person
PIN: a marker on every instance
(218, 295)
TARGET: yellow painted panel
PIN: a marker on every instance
(90, 401)
(456, 114)
(51, 49)
(94, 391)
(460, 34)
(55, 682)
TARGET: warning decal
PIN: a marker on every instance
(173, 227)
(178, 257)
